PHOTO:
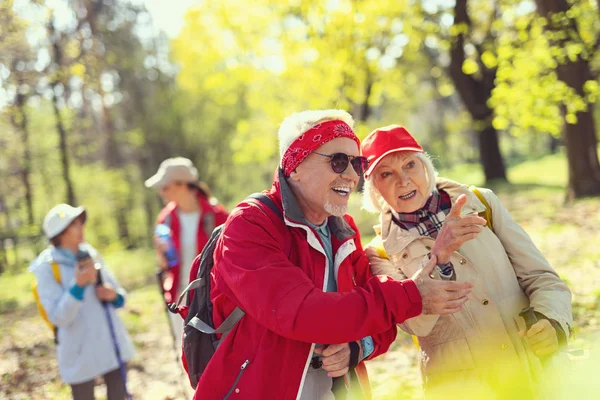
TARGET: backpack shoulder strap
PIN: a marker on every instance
(266, 200)
(55, 271)
(377, 245)
(487, 214)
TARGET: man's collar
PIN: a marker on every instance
(292, 211)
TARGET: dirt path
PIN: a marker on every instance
(28, 367)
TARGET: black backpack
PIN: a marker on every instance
(199, 334)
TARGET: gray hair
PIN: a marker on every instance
(296, 124)
(372, 200)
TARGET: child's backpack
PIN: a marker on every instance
(38, 303)
(199, 334)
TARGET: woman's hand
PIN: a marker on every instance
(541, 337)
(106, 292)
(456, 230)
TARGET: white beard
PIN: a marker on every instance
(336, 210)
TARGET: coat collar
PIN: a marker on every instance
(396, 239)
(338, 226)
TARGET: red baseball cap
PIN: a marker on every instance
(387, 140)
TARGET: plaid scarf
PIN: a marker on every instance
(428, 220)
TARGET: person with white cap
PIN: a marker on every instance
(73, 304)
(190, 215)
(487, 349)
(313, 311)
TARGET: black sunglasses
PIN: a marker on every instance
(339, 162)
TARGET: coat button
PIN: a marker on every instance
(428, 248)
(405, 256)
(237, 390)
(504, 346)
(485, 302)
(462, 261)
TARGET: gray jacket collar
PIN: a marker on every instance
(338, 226)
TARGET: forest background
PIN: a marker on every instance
(94, 95)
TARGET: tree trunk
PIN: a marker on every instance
(3, 257)
(20, 122)
(580, 138)
(113, 160)
(57, 54)
(64, 152)
(362, 111)
(553, 143)
(475, 93)
(582, 156)
(489, 154)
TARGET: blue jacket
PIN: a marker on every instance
(85, 348)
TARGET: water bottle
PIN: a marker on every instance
(163, 233)
(83, 254)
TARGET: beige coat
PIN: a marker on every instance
(479, 343)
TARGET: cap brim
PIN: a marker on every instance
(81, 212)
(155, 181)
(387, 153)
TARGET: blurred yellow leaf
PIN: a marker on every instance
(571, 118)
(470, 67)
(489, 59)
(78, 69)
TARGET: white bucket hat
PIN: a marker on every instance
(60, 217)
(172, 170)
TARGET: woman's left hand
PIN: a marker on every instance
(542, 338)
(106, 292)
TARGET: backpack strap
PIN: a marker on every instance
(487, 214)
(55, 271)
(224, 328)
(378, 247)
(195, 284)
(266, 200)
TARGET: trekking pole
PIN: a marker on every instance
(159, 277)
(111, 327)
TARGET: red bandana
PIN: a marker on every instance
(311, 140)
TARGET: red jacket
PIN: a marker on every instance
(286, 308)
(211, 216)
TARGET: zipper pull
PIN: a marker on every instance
(245, 364)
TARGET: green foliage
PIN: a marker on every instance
(218, 91)
(529, 95)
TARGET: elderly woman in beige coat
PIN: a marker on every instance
(486, 346)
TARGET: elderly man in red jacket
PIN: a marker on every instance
(313, 311)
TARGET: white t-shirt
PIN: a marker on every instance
(189, 230)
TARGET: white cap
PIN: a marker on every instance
(171, 170)
(60, 217)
